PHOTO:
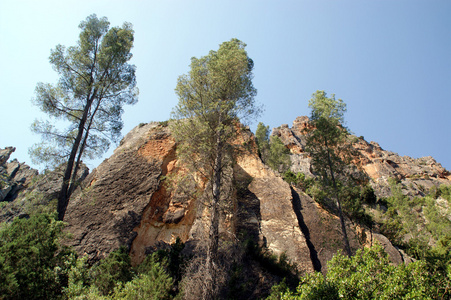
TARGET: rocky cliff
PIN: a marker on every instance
(126, 201)
(144, 198)
(416, 175)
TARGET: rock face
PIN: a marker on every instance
(15, 179)
(127, 201)
(416, 175)
(275, 217)
(142, 197)
(14, 176)
(23, 190)
(113, 198)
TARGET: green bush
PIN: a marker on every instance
(78, 279)
(153, 283)
(367, 275)
(279, 155)
(367, 195)
(114, 269)
(299, 180)
(114, 277)
(445, 192)
(33, 264)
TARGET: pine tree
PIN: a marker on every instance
(95, 82)
(328, 146)
(215, 93)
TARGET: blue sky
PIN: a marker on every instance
(390, 61)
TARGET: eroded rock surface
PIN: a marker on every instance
(125, 201)
(417, 175)
(113, 198)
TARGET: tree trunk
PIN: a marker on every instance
(63, 197)
(213, 238)
(72, 185)
(340, 211)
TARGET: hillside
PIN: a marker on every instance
(143, 198)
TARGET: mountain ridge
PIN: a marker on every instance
(127, 201)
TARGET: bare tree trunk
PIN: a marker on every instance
(73, 185)
(63, 197)
(213, 238)
(340, 211)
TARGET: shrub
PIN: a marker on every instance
(33, 264)
(114, 269)
(367, 195)
(367, 275)
(279, 155)
(154, 283)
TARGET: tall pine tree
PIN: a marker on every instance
(215, 94)
(95, 82)
(328, 147)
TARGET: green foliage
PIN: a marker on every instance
(4, 180)
(152, 282)
(292, 178)
(33, 265)
(215, 95)
(262, 138)
(367, 195)
(78, 279)
(445, 192)
(114, 269)
(367, 275)
(421, 218)
(279, 155)
(216, 92)
(329, 148)
(353, 198)
(114, 278)
(392, 227)
(95, 82)
(164, 123)
(327, 141)
(172, 260)
(271, 149)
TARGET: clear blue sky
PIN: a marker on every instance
(390, 61)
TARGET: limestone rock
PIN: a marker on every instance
(112, 201)
(24, 190)
(417, 176)
(278, 224)
(126, 202)
(14, 176)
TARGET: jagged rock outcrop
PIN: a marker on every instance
(14, 176)
(125, 201)
(416, 175)
(103, 214)
(24, 190)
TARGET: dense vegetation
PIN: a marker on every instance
(34, 265)
(366, 275)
